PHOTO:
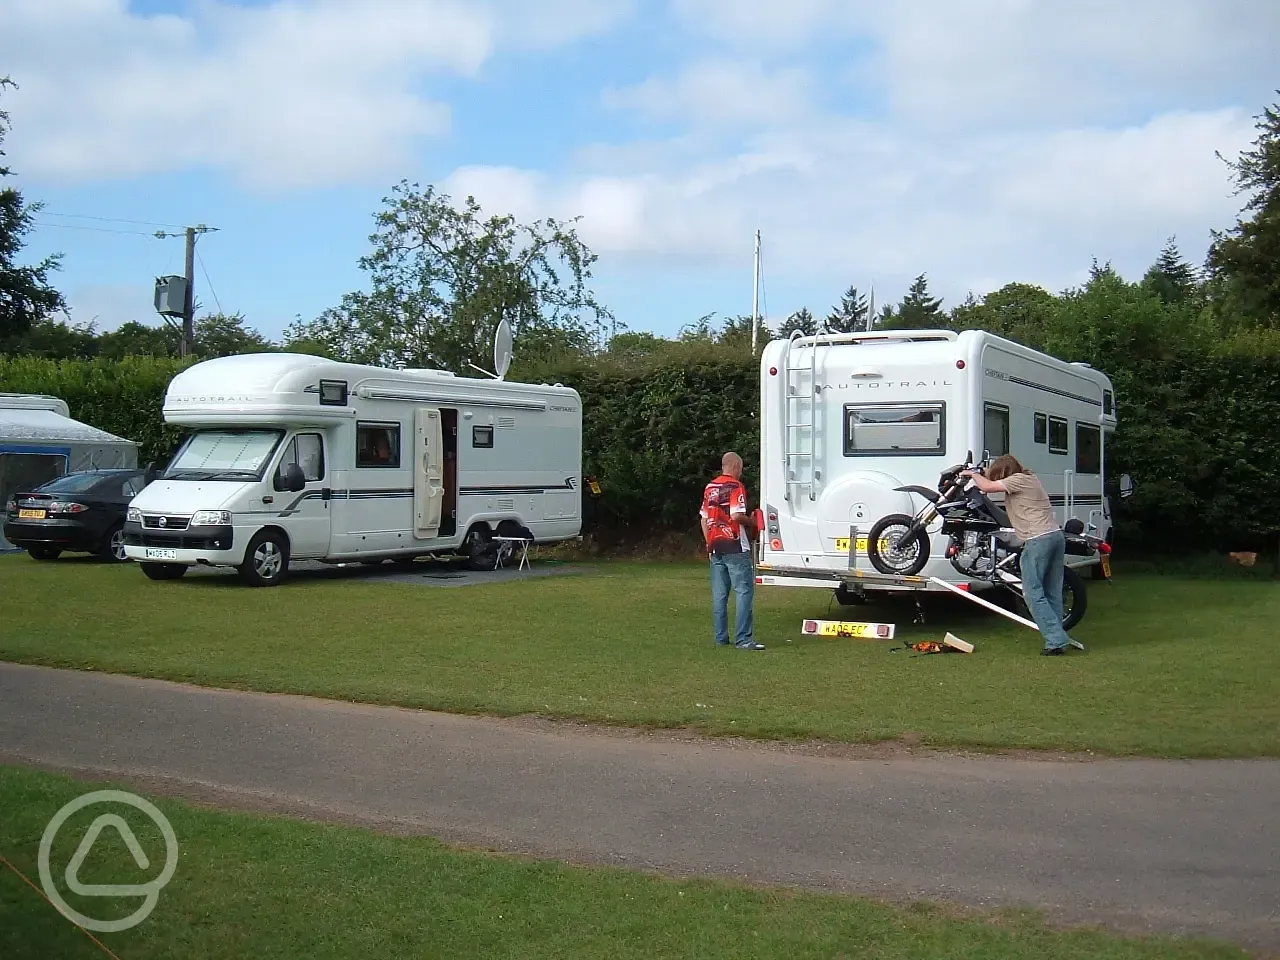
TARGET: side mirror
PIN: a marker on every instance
(150, 475)
(290, 478)
(1126, 486)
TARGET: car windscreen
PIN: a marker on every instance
(74, 483)
(224, 455)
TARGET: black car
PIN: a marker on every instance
(78, 512)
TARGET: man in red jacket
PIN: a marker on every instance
(728, 530)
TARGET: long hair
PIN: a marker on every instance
(1005, 466)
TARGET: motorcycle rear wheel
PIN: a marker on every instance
(1075, 599)
(905, 552)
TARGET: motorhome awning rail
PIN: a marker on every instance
(450, 399)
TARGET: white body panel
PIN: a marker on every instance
(824, 470)
(459, 452)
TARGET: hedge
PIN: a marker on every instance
(1200, 434)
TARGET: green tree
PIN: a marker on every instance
(736, 332)
(54, 339)
(918, 310)
(134, 339)
(443, 276)
(1245, 261)
(850, 315)
(801, 320)
(222, 335)
(1018, 311)
(1171, 277)
(26, 297)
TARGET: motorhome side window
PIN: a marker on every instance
(995, 430)
(377, 445)
(307, 451)
(1042, 428)
(1058, 435)
(482, 435)
(894, 429)
(1088, 449)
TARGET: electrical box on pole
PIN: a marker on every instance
(171, 296)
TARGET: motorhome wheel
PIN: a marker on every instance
(480, 551)
(266, 560)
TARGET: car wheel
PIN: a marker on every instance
(163, 571)
(44, 553)
(266, 560)
(112, 548)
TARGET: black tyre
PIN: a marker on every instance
(44, 553)
(1075, 599)
(893, 547)
(479, 548)
(112, 549)
(266, 559)
(849, 598)
(163, 571)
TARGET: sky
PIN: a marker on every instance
(980, 142)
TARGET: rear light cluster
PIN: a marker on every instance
(772, 529)
(59, 506)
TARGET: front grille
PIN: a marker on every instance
(170, 523)
(210, 538)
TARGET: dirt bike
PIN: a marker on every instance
(981, 544)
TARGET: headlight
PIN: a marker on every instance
(133, 515)
(211, 518)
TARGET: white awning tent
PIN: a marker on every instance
(39, 441)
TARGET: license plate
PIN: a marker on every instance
(159, 553)
(1106, 566)
(31, 514)
(847, 628)
(842, 545)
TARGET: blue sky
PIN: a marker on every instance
(979, 141)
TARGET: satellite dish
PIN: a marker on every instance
(502, 349)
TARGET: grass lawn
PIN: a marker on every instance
(270, 888)
(1176, 665)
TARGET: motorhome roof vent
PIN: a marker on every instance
(866, 373)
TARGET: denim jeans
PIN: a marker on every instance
(1042, 566)
(734, 569)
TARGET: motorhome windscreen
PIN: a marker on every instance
(897, 430)
(224, 455)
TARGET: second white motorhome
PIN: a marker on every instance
(293, 457)
(847, 418)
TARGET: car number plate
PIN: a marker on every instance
(31, 514)
(847, 628)
(159, 553)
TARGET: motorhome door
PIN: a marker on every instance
(428, 472)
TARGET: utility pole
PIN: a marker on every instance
(871, 310)
(755, 299)
(189, 304)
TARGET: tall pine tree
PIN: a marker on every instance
(801, 320)
(918, 310)
(1171, 277)
(850, 316)
(1245, 261)
(25, 294)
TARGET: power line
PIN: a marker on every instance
(86, 216)
(208, 281)
(77, 226)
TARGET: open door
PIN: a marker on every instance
(428, 472)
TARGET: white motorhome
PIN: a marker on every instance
(847, 418)
(295, 457)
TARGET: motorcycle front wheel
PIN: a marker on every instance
(897, 547)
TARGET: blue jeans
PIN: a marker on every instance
(1042, 571)
(734, 569)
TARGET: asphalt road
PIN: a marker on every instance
(1138, 845)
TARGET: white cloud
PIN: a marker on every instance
(295, 93)
(721, 92)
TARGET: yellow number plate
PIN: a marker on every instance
(1106, 566)
(847, 628)
(842, 545)
(31, 514)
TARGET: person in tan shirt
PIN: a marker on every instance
(1044, 544)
